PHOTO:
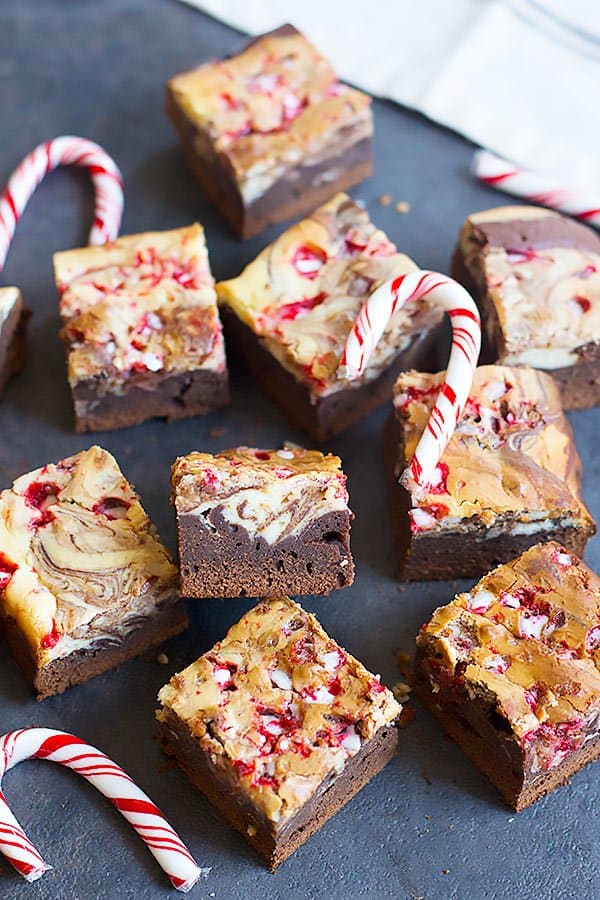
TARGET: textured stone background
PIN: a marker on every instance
(429, 826)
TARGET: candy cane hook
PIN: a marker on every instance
(64, 151)
(534, 187)
(67, 750)
(466, 343)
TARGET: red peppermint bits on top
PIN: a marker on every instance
(308, 260)
(51, 639)
(7, 570)
(40, 495)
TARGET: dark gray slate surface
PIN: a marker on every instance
(429, 826)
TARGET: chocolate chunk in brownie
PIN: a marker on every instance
(255, 523)
(511, 671)
(278, 726)
(142, 330)
(85, 584)
(509, 477)
(536, 277)
(271, 132)
(292, 309)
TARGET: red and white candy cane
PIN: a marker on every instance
(66, 749)
(534, 186)
(64, 151)
(466, 342)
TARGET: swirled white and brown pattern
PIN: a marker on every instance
(279, 706)
(79, 559)
(527, 638)
(303, 293)
(273, 494)
(511, 461)
(140, 305)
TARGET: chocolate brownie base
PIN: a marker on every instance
(579, 384)
(81, 665)
(443, 556)
(12, 343)
(226, 561)
(147, 397)
(485, 738)
(272, 843)
(325, 417)
(305, 188)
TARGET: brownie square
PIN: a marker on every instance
(511, 671)
(270, 133)
(13, 323)
(509, 477)
(536, 277)
(142, 330)
(255, 523)
(278, 726)
(85, 583)
(291, 310)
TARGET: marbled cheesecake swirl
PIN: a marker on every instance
(302, 295)
(270, 494)
(80, 561)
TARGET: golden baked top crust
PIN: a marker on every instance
(303, 292)
(79, 559)
(512, 460)
(279, 706)
(275, 102)
(271, 493)
(527, 638)
(142, 304)
(541, 274)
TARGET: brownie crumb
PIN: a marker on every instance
(403, 206)
(401, 691)
(162, 659)
(385, 200)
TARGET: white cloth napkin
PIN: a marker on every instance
(520, 77)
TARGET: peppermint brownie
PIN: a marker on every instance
(509, 477)
(271, 132)
(254, 523)
(291, 310)
(536, 276)
(511, 671)
(278, 726)
(13, 322)
(142, 330)
(85, 584)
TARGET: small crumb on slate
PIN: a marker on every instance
(162, 659)
(217, 432)
(428, 780)
(403, 206)
(401, 691)
(403, 663)
(385, 200)
(446, 871)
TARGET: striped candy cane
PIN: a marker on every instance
(67, 750)
(534, 187)
(64, 151)
(466, 342)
